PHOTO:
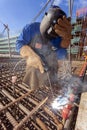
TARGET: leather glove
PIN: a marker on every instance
(63, 28)
(33, 60)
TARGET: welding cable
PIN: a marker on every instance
(17, 64)
(50, 83)
(14, 77)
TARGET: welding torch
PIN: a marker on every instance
(43, 60)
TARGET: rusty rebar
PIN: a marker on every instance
(15, 101)
(10, 117)
(23, 87)
(30, 114)
(41, 124)
(58, 123)
(3, 126)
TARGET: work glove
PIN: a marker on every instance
(32, 59)
(63, 28)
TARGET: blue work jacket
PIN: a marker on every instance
(28, 33)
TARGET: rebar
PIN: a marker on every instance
(25, 109)
(30, 114)
(10, 117)
(15, 101)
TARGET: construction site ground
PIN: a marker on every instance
(23, 109)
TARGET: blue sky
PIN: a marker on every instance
(17, 13)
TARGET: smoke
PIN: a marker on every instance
(71, 87)
(84, 87)
(68, 81)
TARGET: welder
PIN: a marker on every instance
(42, 45)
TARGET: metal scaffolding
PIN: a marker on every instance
(7, 29)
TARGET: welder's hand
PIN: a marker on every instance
(33, 60)
(63, 28)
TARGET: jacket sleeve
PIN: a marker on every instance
(26, 35)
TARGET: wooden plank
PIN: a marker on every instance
(81, 123)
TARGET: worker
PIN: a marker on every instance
(42, 45)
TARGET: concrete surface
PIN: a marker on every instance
(81, 123)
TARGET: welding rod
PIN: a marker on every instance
(30, 114)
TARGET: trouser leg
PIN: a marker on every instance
(31, 78)
(34, 79)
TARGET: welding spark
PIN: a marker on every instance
(60, 102)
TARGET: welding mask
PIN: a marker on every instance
(49, 20)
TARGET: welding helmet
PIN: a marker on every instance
(49, 20)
